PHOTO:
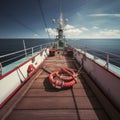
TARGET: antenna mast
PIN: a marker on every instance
(60, 38)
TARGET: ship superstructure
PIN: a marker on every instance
(60, 38)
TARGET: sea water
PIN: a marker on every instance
(108, 45)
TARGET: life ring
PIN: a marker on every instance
(30, 69)
(70, 74)
(59, 81)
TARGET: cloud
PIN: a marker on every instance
(84, 28)
(111, 33)
(70, 31)
(95, 27)
(73, 33)
(36, 35)
(83, 32)
(105, 15)
(51, 31)
(69, 27)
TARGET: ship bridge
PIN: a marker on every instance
(60, 38)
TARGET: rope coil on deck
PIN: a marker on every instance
(63, 78)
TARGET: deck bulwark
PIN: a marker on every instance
(44, 102)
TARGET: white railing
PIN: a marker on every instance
(10, 57)
(107, 56)
(109, 60)
(19, 75)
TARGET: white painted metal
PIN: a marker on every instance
(24, 48)
(11, 81)
(103, 77)
(8, 84)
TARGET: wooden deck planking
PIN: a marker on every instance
(58, 114)
(44, 102)
(44, 115)
(48, 93)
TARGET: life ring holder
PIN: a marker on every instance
(30, 69)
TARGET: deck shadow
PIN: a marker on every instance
(94, 101)
(49, 88)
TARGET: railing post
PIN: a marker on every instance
(46, 45)
(85, 49)
(41, 47)
(107, 61)
(0, 69)
(24, 48)
(32, 51)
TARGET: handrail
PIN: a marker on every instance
(11, 53)
(20, 53)
(107, 56)
(12, 58)
(88, 48)
(109, 61)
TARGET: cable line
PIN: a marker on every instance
(43, 16)
(10, 16)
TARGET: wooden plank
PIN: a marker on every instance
(43, 115)
(42, 84)
(83, 93)
(43, 75)
(48, 92)
(40, 80)
(57, 115)
(79, 85)
(46, 103)
(87, 103)
(92, 115)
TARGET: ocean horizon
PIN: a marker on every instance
(107, 45)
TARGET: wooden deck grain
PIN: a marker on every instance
(43, 102)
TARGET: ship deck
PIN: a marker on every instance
(39, 100)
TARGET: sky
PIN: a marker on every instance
(87, 18)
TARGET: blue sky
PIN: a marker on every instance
(87, 18)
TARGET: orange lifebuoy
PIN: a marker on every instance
(30, 69)
(70, 74)
(59, 81)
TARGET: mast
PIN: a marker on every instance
(60, 26)
(60, 38)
